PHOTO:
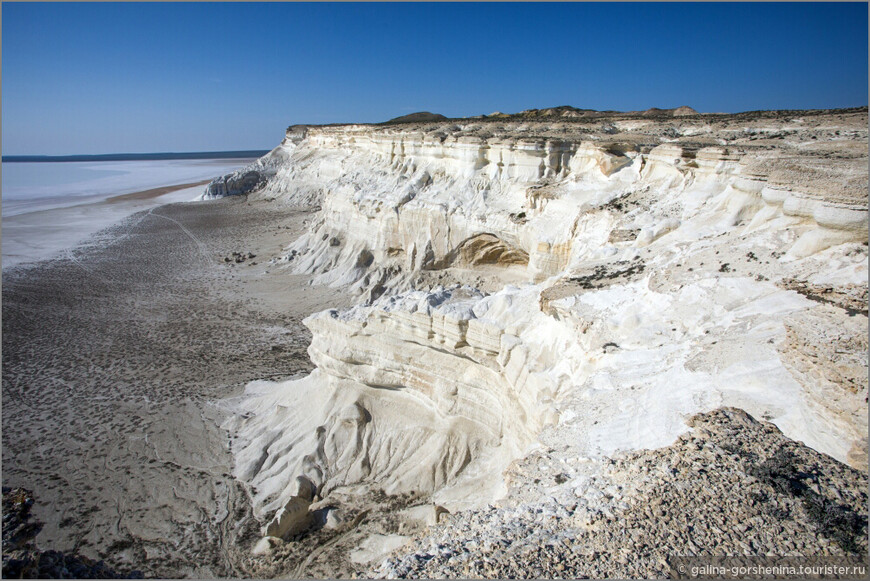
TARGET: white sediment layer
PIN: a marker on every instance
(651, 293)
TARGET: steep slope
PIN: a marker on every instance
(602, 281)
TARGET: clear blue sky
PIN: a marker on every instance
(126, 77)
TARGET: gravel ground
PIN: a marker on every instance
(731, 486)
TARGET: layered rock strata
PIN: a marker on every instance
(410, 198)
(603, 280)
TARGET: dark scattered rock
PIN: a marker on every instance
(17, 530)
(602, 275)
(240, 182)
(626, 202)
(23, 560)
(851, 298)
(518, 217)
(784, 471)
(365, 259)
(239, 257)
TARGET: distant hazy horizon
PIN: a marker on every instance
(136, 156)
(91, 78)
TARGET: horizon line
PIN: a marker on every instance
(140, 156)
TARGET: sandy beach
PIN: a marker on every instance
(154, 192)
(115, 358)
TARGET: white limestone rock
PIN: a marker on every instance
(648, 296)
(291, 519)
(266, 546)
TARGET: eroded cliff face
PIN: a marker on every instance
(417, 198)
(255, 176)
(599, 283)
(423, 392)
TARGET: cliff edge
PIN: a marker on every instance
(583, 283)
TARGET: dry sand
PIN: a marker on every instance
(113, 358)
(154, 192)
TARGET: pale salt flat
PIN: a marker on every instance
(43, 185)
(44, 215)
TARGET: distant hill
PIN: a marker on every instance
(566, 111)
(663, 113)
(419, 117)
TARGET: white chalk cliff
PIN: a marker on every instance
(602, 281)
